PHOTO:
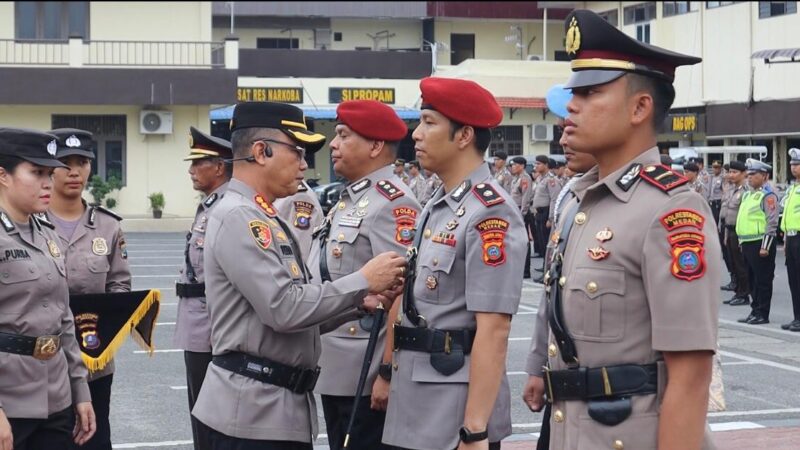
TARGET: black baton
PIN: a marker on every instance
(362, 378)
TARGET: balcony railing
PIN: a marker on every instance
(77, 53)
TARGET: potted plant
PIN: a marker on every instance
(156, 204)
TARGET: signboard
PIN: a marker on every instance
(684, 123)
(339, 95)
(270, 94)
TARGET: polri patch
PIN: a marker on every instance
(261, 233)
(688, 256)
(404, 219)
(302, 216)
(493, 234)
(679, 218)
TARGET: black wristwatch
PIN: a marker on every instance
(385, 371)
(468, 437)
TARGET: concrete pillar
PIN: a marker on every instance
(75, 51)
(232, 53)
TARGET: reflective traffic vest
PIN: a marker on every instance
(791, 210)
(751, 222)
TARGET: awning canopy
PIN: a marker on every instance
(522, 102)
(781, 55)
(312, 112)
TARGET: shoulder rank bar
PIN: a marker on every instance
(487, 194)
(389, 190)
(662, 177)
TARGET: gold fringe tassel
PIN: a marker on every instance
(97, 364)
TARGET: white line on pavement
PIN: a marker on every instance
(177, 266)
(519, 339)
(157, 251)
(157, 276)
(744, 326)
(130, 257)
(152, 444)
(165, 350)
(740, 363)
(760, 412)
(179, 388)
(731, 426)
(165, 323)
(760, 361)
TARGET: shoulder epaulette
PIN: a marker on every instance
(662, 177)
(302, 187)
(6, 221)
(42, 219)
(629, 177)
(108, 212)
(487, 194)
(211, 199)
(389, 190)
(461, 191)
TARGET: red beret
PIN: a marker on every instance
(372, 120)
(462, 101)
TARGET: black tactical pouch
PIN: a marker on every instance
(611, 411)
(448, 363)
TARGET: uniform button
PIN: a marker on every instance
(618, 445)
(44, 305)
(562, 281)
(427, 233)
(395, 366)
(552, 350)
(352, 331)
(341, 205)
(591, 287)
(580, 218)
(558, 416)
(435, 261)
(49, 276)
(340, 237)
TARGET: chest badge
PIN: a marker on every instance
(363, 203)
(99, 246)
(452, 225)
(295, 270)
(341, 205)
(604, 235)
(598, 253)
(54, 250)
(336, 252)
(461, 211)
(431, 282)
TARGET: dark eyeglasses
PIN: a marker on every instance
(301, 151)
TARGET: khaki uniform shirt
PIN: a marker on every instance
(368, 220)
(698, 187)
(504, 178)
(546, 192)
(731, 211)
(431, 184)
(522, 191)
(654, 291)
(304, 213)
(260, 304)
(96, 260)
(470, 261)
(193, 327)
(714, 187)
(34, 301)
(417, 185)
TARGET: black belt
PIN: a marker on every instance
(715, 201)
(296, 379)
(613, 381)
(41, 348)
(431, 340)
(187, 290)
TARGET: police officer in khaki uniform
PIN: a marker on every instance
(632, 297)
(44, 397)
(449, 387)
(304, 213)
(544, 196)
(416, 180)
(702, 173)
(501, 173)
(376, 214)
(432, 182)
(94, 253)
(690, 171)
(210, 175)
(756, 228)
(737, 174)
(790, 225)
(400, 170)
(714, 189)
(521, 193)
(265, 317)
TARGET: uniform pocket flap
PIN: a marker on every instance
(18, 272)
(98, 264)
(597, 281)
(345, 235)
(440, 260)
(423, 372)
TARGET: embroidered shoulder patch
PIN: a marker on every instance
(679, 218)
(265, 205)
(302, 214)
(404, 219)
(493, 234)
(389, 190)
(487, 194)
(261, 233)
(688, 255)
(662, 177)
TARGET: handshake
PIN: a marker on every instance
(385, 276)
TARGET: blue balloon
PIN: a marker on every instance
(557, 99)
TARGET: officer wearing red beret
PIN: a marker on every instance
(376, 214)
(449, 386)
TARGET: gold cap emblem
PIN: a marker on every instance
(573, 43)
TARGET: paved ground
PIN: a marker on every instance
(760, 363)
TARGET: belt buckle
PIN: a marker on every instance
(306, 380)
(46, 347)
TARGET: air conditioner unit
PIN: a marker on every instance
(155, 122)
(541, 132)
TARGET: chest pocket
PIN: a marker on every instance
(97, 264)
(596, 304)
(343, 244)
(434, 283)
(19, 272)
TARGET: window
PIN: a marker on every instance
(643, 33)
(109, 140)
(337, 36)
(676, 8)
(711, 5)
(51, 20)
(507, 139)
(463, 47)
(611, 17)
(641, 12)
(289, 43)
(772, 9)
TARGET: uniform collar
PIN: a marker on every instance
(456, 197)
(214, 197)
(241, 188)
(357, 189)
(590, 181)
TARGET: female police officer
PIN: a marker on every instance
(43, 376)
(94, 252)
